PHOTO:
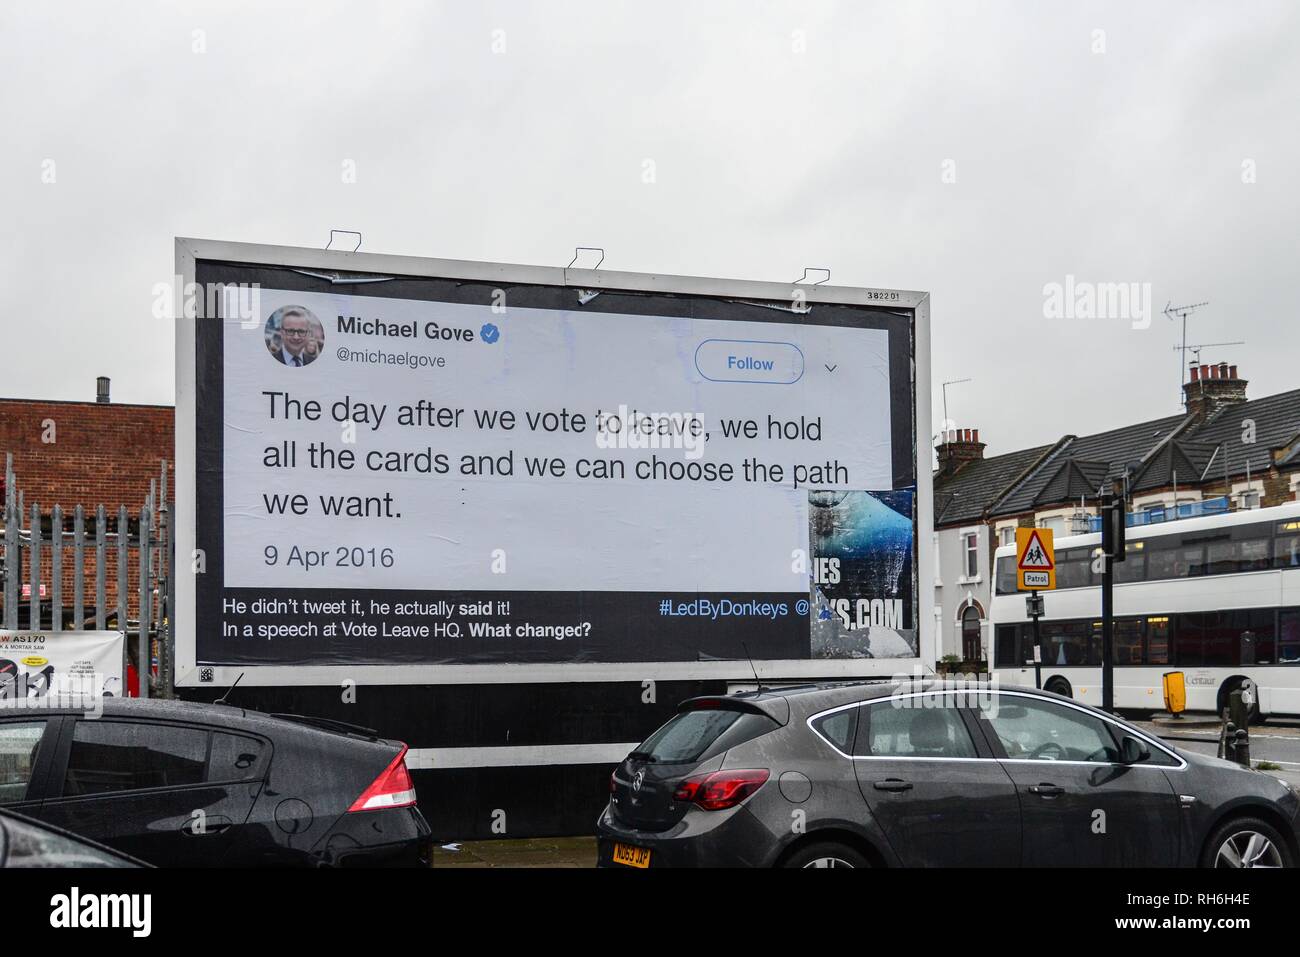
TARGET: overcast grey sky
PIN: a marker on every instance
(782, 135)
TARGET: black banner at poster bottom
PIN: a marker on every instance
(490, 906)
(320, 626)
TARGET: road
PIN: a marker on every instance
(1277, 742)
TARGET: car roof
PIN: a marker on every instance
(215, 715)
(135, 707)
(819, 696)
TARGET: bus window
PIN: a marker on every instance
(1288, 638)
(1188, 644)
(1053, 653)
(1134, 566)
(1008, 652)
(1245, 552)
(1255, 636)
(1074, 568)
(1220, 558)
(1286, 548)
(1158, 641)
(1053, 645)
(1070, 643)
(1252, 554)
(1221, 642)
(1207, 639)
(1006, 583)
(1161, 560)
(1189, 561)
(1126, 643)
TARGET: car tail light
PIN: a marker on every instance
(391, 789)
(721, 789)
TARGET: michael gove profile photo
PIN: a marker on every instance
(294, 336)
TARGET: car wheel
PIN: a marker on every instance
(826, 854)
(1246, 842)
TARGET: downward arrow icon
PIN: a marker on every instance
(832, 368)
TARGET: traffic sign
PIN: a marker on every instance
(1035, 559)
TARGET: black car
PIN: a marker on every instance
(28, 843)
(924, 775)
(182, 784)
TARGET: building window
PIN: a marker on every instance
(1056, 523)
(970, 548)
(1007, 535)
(1247, 495)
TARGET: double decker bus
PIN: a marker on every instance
(1216, 597)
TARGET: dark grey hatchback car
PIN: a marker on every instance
(927, 775)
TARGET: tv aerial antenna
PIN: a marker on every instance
(1182, 312)
(1195, 350)
(947, 422)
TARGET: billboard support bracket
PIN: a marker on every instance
(345, 232)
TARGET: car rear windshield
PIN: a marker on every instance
(691, 736)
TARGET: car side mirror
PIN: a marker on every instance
(1133, 751)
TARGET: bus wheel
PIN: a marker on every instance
(1231, 685)
(1060, 686)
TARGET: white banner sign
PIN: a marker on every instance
(36, 664)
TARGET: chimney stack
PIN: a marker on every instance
(1213, 388)
(101, 390)
(957, 447)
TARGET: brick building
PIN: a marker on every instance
(88, 454)
(1224, 445)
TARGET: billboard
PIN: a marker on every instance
(415, 471)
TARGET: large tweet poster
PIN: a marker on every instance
(398, 480)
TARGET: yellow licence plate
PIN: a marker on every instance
(631, 856)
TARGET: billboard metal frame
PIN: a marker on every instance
(189, 252)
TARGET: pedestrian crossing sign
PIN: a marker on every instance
(1035, 559)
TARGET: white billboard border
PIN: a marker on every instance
(190, 251)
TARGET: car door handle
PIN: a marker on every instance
(892, 784)
(1046, 790)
